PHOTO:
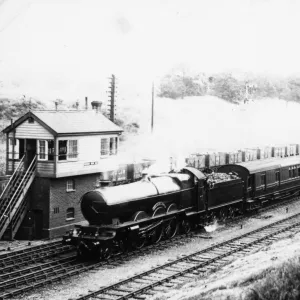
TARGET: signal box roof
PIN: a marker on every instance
(70, 122)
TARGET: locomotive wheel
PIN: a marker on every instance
(230, 213)
(157, 234)
(172, 227)
(82, 251)
(139, 241)
(186, 226)
(172, 208)
(122, 245)
(222, 214)
(105, 252)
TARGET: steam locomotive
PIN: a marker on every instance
(156, 207)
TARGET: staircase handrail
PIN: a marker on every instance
(12, 176)
(8, 208)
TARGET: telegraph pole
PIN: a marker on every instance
(152, 109)
(112, 94)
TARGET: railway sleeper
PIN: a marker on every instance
(139, 297)
(174, 270)
(177, 281)
(150, 278)
(123, 290)
(150, 293)
(143, 281)
(196, 260)
(219, 252)
(191, 276)
(114, 293)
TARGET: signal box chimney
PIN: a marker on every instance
(96, 105)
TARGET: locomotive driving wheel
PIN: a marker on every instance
(230, 213)
(82, 251)
(186, 226)
(140, 240)
(172, 226)
(157, 233)
(105, 252)
(222, 214)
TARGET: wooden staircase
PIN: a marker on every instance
(13, 201)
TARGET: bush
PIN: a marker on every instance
(174, 87)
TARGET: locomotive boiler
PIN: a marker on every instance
(128, 216)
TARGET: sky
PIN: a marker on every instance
(68, 48)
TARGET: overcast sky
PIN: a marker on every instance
(53, 46)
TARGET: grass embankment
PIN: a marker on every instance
(275, 283)
(279, 283)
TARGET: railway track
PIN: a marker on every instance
(24, 270)
(20, 281)
(189, 266)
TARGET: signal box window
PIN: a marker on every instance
(72, 149)
(70, 213)
(104, 147)
(113, 144)
(70, 185)
(50, 149)
(46, 149)
(42, 150)
(62, 150)
(14, 146)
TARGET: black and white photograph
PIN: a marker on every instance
(149, 150)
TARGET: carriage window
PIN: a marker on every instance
(294, 172)
(249, 181)
(290, 173)
(263, 180)
(298, 171)
(277, 176)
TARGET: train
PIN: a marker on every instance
(131, 172)
(129, 216)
